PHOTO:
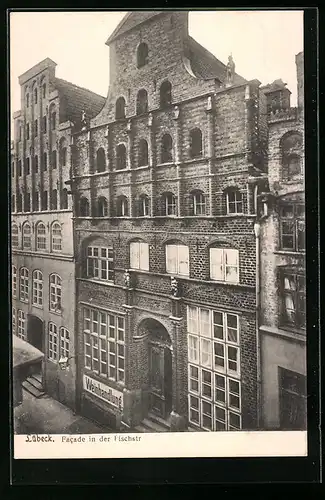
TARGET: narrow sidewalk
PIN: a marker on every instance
(47, 416)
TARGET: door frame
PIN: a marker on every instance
(164, 395)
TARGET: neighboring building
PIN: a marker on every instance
(43, 268)
(165, 180)
(283, 290)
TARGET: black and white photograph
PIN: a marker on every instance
(157, 227)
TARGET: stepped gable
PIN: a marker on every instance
(77, 99)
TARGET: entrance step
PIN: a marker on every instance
(37, 376)
(34, 387)
(153, 424)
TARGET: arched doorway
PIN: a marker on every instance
(159, 368)
(35, 332)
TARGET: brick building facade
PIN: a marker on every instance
(282, 259)
(43, 268)
(166, 179)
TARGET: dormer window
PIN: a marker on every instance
(142, 55)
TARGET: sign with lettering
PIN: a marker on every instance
(103, 391)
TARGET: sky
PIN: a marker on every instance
(263, 44)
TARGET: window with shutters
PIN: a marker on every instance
(177, 259)
(139, 255)
(100, 263)
(37, 288)
(214, 399)
(224, 264)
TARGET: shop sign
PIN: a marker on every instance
(103, 391)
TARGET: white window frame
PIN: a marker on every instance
(99, 265)
(143, 206)
(40, 236)
(170, 202)
(56, 237)
(55, 289)
(64, 342)
(38, 285)
(219, 266)
(27, 237)
(104, 344)
(13, 321)
(176, 269)
(53, 347)
(236, 202)
(139, 255)
(21, 331)
(14, 280)
(14, 235)
(24, 285)
(199, 203)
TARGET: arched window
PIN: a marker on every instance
(102, 207)
(166, 149)
(84, 207)
(169, 204)
(44, 161)
(120, 108)
(27, 202)
(36, 164)
(27, 236)
(64, 199)
(35, 95)
(142, 102)
(139, 255)
(120, 157)
(14, 235)
(27, 100)
(53, 120)
(54, 199)
(63, 156)
(143, 207)
(165, 94)
(55, 293)
(122, 207)
(40, 236)
(14, 280)
(37, 288)
(36, 201)
(44, 200)
(195, 143)
(100, 160)
(19, 202)
(143, 153)
(142, 55)
(198, 203)
(224, 264)
(24, 285)
(234, 200)
(44, 90)
(291, 150)
(56, 237)
(53, 159)
(13, 203)
(177, 259)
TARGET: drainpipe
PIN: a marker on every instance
(257, 231)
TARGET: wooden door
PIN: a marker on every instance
(160, 376)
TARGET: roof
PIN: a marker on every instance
(274, 86)
(74, 100)
(205, 65)
(24, 353)
(131, 20)
(36, 69)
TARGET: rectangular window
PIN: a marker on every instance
(13, 321)
(294, 300)
(100, 263)
(14, 280)
(177, 259)
(37, 288)
(24, 285)
(64, 343)
(139, 255)
(224, 264)
(292, 227)
(104, 348)
(53, 342)
(213, 369)
(21, 332)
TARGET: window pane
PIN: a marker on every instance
(205, 326)
(216, 264)
(171, 259)
(183, 260)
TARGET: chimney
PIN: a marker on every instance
(300, 79)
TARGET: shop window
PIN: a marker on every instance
(100, 160)
(142, 102)
(143, 153)
(122, 208)
(27, 236)
(139, 255)
(292, 226)
(56, 237)
(198, 203)
(55, 293)
(142, 55)
(166, 149)
(165, 94)
(224, 264)
(104, 348)
(213, 369)
(40, 236)
(120, 157)
(24, 285)
(177, 259)
(37, 288)
(195, 143)
(234, 201)
(293, 299)
(100, 263)
(169, 204)
(120, 108)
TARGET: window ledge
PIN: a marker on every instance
(296, 335)
(290, 252)
(99, 282)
